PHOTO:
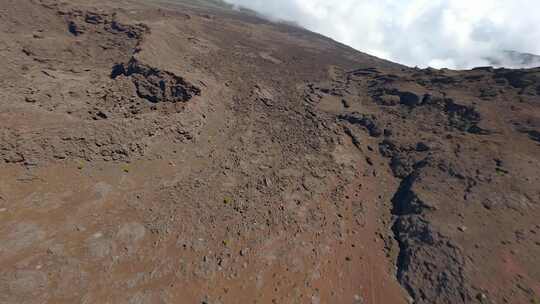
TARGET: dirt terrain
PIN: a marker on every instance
(171, 152)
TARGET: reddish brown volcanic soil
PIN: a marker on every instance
(168, 153)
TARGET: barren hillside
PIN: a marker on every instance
(173, 152)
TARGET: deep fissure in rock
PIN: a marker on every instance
(439, 278)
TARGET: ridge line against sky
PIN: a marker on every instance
(436, 33)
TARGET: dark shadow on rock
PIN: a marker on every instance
(155, 85)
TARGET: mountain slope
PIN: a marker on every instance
(161, 152)
(514, 59)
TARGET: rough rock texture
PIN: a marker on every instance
(155, 85)
(162, 152)
(453, 149)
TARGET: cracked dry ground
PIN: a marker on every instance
(169, 153)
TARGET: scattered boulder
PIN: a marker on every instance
(534, 135)
(101, 115)
(421, 147)
(75, 29)
(409, 99)
(93, 18)
(393, 97)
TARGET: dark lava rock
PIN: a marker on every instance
(433, 100)
(421, 147)
(393, 97)
(463, 118)
(474, 129)
(155, 85)
(401, 166)
(406, 201)
(93, 18)
(519, 78)
(387, 148)
(488, 69)
(75, 29)
(117, 70)
(534, 135)
(363, 120)
(409, 99)
(102, 115)
(131, 31)
(353, 136)
(364, 72)
(430, 266)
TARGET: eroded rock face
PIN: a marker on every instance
(519, 79)
(155, 85)
(80, 22)
(100, 40)
(439, 176)
(440, 276)
(363, 121)
(463, 118)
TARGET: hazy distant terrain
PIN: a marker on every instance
(509, 59)
(513, 59)
(453, 34)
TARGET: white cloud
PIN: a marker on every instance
(438, 33)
